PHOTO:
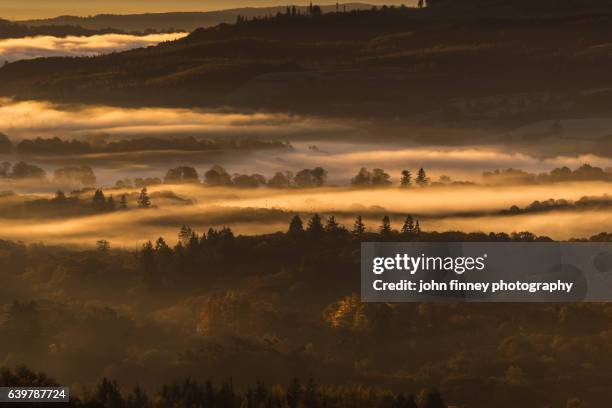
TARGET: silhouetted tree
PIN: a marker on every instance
(23, 170)
(406, 180)
(314, 225)
(358, 227)
(332, 225)
(99, 201)
(109, 395)
(296, 227)
(422, 179)
(185, 234)
(217, 176)
(311, 177)
(385, 227)
(363, 178)
(380, 178)
(182, 174)
(143, 199)
(103, 246)
(408, 227)
(280, 180)
(417, 227)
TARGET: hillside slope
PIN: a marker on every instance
(391, 62)
(184, 21)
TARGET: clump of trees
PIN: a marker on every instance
(60, 147)
(22, 171)
(181, 175)
(586, 172)
(101, 203)
(375, 178)
(191, 393)
(75, 175)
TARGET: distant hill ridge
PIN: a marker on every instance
(175, 20)
(393, 62)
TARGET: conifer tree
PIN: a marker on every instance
(417, 228)
(359, 227)
(296, 226)
(185, 234)
(385, 227)
(422, 179)
(314, 225)
(332, 225)
(143, 199)
(99, 201)
(409, 226)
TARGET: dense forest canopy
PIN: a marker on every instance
(214, 305)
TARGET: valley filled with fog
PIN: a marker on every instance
(42, 46)
(470, 186)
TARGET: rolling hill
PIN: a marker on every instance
(168, 22)
(391, 62)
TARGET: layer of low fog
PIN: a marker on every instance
(342, 146)
(13, 49)
(466, 208)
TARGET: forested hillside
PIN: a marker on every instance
(389, 61)
(173, 20)
(268, 308)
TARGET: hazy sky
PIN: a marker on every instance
(25, 9)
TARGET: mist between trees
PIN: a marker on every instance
(306, 178)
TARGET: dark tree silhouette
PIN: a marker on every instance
(408, 227)
(296, 227)
(182, 174)
(363, 178)
(315, 225)
(217, 176)
(99, 201)
(380, 178)
(143, 199)
(406, 180)
(358, 227)
(332, 225)
(422, 179)
(385, 227)
(24, 170)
